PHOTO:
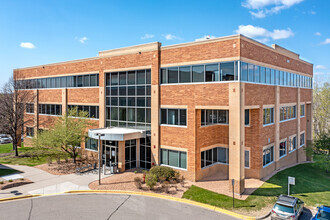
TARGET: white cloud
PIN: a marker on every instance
(27, 45)
(320, 67)
(171, 37)
(83, 39)
(267, 7)
(147, 36)
(262, 34)
(205, 37)
(327, 41)
(318, 34)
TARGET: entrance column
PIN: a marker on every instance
(121, 156)
(236, 136)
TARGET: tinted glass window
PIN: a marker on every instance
(173, 75)
(244, 72)
(131, 77)
(227, 71)
(94, 79)
(185, 74)
(163, 75)
(198, 73)
(211, 72)
(251, 73)
(141, 77)
(86, 80)
(122, 78)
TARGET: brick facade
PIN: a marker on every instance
(193, 97)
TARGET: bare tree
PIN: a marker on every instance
(14, 98)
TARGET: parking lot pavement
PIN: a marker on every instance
(104, 206)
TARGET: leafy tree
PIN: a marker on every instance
(321, 151)
(321, 109)
(65, 135)
(14, 97)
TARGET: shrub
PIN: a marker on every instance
(135, 172)
(162, 172)
(151, 180)
(1, 182)
(10, 180)
(138, 182)
(22, 179)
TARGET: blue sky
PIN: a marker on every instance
(35, 32)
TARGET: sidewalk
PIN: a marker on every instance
(46, 183)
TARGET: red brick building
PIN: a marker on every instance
(229, 105)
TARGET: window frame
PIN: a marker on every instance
(271, 149)
(279, 148)
(179, 153)
(179, 111)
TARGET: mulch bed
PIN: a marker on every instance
(63, 167)
(14, 183)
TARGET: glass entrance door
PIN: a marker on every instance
(110, 153)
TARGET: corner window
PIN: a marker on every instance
(174, 158)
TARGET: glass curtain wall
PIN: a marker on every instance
(128, 105)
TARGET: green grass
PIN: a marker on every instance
(4, 172)
(312, 186)
(24, 158)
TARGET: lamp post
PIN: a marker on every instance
(100, 155)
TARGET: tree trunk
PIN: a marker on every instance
(15, 148)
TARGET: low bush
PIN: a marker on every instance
(10, 180)
(1, 182)
(138, 182)
(164, 173)
(151, 180)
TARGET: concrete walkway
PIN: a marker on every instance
(46, 183)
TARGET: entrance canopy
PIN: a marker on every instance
(117, 134)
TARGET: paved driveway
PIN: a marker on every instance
(104, 206)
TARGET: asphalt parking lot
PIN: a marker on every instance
(103, 206)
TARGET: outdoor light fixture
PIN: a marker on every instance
(100, 152)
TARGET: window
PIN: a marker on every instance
(302, 110)
(268, 116)
(30, 108)
(302, 139)
(282, 149)
(214, 155)
(174, 158)
(184, 74)
(91, 144)
(93, 111)
(268, 155)
(292, 144)
(174, 117)
(211, 72)
(228, 71)
(198, 73)
(244, 72)
(247, 117)
(287, 112)
(247, 158)
(50, 109)
(29, 131)
(173, 75)
(251, 73)
(145, 152)
(209, 117)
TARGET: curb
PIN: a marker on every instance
(19, 197)
(210, 207)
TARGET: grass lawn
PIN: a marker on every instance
(312, 186)
(24, 156)
(4, 172)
